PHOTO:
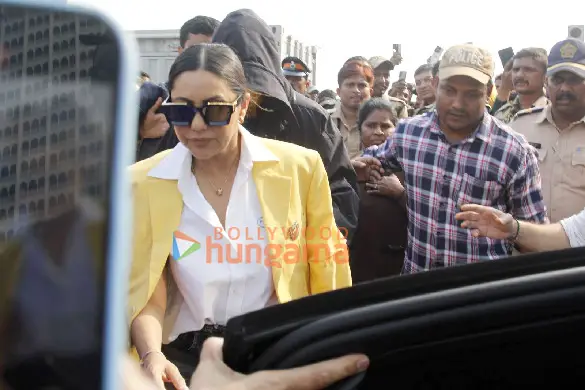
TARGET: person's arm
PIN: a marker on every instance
(213, 374)
(146, 329)
(541, 238)
(574, 227)
(526, 201)
(403, 112)
(327, 252)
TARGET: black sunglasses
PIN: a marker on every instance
(213, 113)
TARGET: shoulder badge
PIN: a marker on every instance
(528, 111)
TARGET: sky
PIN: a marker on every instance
(371, 28)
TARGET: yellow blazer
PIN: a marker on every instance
(292, 192)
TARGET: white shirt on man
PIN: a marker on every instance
(574, 227)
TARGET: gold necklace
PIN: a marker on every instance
(218, 190)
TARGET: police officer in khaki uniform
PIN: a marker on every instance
(382, 67)
(356, 81)
(297, 74)
(557, 131)
(425, 79)
(529, 67)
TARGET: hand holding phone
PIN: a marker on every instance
(506, 55)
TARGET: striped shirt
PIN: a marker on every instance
(494, 167)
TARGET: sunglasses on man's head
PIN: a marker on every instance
(182, 113)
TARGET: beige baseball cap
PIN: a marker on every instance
(467, 60)
(378, 61)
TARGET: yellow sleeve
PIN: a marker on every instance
(326, 245)
(141, 244)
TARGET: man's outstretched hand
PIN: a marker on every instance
(213, 374)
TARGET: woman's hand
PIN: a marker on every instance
(388, 186)
(367, 168)
(161, 370)
(487, 222)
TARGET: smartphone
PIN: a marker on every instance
(67, 78)
(506, 55)
(402, 76)
(397, 48)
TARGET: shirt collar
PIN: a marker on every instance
(546, 114)
(541, 102)
(482, 131)
(178, 161)
(337, 114)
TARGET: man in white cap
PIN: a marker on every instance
(313, 93)
(455, 155)
(382, 67)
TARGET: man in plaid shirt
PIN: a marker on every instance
(455, 155)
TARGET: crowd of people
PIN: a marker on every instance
(461, 167)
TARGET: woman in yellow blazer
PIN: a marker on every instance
(225, 223)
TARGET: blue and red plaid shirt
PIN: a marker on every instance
(493, 167)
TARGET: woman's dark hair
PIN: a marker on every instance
(372, 105)
(215, 58)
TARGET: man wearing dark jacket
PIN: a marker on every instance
(152, 125)
(284, 114)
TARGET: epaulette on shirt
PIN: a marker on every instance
(528, 111)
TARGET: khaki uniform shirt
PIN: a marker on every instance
(425, 109)
(509, 110)
(561, 155)
(351, 135)
(399, 107)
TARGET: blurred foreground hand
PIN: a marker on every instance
(213, 374)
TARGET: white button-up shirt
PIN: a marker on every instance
(219, 272)
(574, 227)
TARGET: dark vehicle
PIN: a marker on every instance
(496, 325)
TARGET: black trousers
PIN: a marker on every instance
(185, 350)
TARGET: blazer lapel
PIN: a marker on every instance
(274, 196)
